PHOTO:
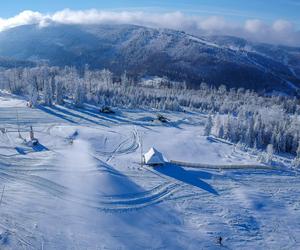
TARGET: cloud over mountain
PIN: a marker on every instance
(278, 32)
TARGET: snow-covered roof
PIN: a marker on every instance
(153, 157)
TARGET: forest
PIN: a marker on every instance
(237, 115)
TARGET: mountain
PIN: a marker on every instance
(145, 51)
(11, 63)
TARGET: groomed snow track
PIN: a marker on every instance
(221, 166)
(106, 203)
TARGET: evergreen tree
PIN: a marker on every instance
(249, 137)
(270, 153)
(79, 95)
(124, 79)
(208, 126)
(59, 92)
(33, 93)
(47, 93)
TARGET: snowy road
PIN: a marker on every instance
(94, 194)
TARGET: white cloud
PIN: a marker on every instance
(213, 23)
(25, 17)
(254, 26)
(280, 31)
(282, 26)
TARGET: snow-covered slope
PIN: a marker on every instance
(83, 187)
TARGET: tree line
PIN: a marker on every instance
(238, 115)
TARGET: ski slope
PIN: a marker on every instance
(83, 187)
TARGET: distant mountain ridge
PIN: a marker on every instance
(12, 63)
(143, 51)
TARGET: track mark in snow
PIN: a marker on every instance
(108, 203)
(121, 149)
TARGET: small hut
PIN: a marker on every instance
(153, 158)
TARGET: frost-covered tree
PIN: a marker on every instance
(79, 94)
(106, 77)
(249, 136)
(296, 161)
(47, 93)
(33, 94)
(125, 81)
(59, 95)
(270, 153)
(88, 76)
(31, 86)
(208, 126)
(15, 81)
(218, 127)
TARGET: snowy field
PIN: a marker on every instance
(94, 193)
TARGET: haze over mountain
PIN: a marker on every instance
(143, 51)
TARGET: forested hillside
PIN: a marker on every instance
(144, 52)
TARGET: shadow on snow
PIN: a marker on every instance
(191, 177)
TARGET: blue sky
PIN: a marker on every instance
(238, 10)
(271, 21)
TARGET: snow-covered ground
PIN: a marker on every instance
(83, 187)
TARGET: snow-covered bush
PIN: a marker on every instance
(267, 156)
